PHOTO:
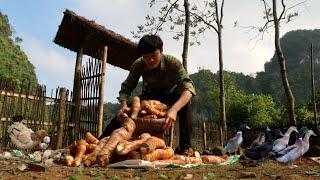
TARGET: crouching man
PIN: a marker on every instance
(164, 79)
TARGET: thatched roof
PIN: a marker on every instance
(75, 31)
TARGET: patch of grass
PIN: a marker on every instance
(115, 177)
(162, 176)
(210, 175)
(99, 175)
(79, 170)
(73, 178)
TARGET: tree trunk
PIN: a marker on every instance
(186, 35)
(221, 76)
(62, 114)
(204, 130)
(312, 86)
(282, 63)
(103, 59)
(77, 93)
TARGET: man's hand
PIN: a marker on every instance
(171, 117)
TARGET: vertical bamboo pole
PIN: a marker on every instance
(171, 135)
(221, 135)
(77, 91)
(101, 89)
(62, 113)
(313, 86)
(204, 135)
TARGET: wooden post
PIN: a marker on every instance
(204, 135)
(77, 92)
(171, 135)
(221, 135)
(101, 89)
(313, 86)
(62, 113)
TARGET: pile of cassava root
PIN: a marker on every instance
(121, 145)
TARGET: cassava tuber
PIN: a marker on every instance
(80, 152)
(135, 108)
(154, 107)
(123, 133)
(125, 147)
(151, 144)
(90, 148)
(92, 157)
(159, 154)
(69, 160)
(211, 159)
(90, 139)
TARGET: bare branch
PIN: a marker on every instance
(283, 10)
(221, 11)
(201, 19)
(165, 16)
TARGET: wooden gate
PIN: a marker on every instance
(90, 88)
(88, 91)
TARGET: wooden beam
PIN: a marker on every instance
(101, 89)
(77, 91)
(37, 122)
(204, 129)
(62, 113)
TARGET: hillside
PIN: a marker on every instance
(14, 63)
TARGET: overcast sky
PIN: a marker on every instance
(37, 21)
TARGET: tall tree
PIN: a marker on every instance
(200, 20)
(212, 18)
(272, 17)
(168, 15)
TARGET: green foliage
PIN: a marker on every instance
(304, 116)
(241, 107)
(5, 29)
(296, 48)
(14, 64)
(251, 109)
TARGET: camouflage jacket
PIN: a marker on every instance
(169, 77)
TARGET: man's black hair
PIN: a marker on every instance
(149, 43)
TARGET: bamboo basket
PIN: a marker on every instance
(149, 125)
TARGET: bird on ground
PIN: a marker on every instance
(22, 136)
(261, 137)
(263, 151)
(297, 150)
(282, 143)
(299, 140)
(234, 143)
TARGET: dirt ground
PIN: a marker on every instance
(266, 170)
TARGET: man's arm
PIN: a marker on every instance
(128, 85)
(172, 113)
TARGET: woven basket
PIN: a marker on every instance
(151, 126)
